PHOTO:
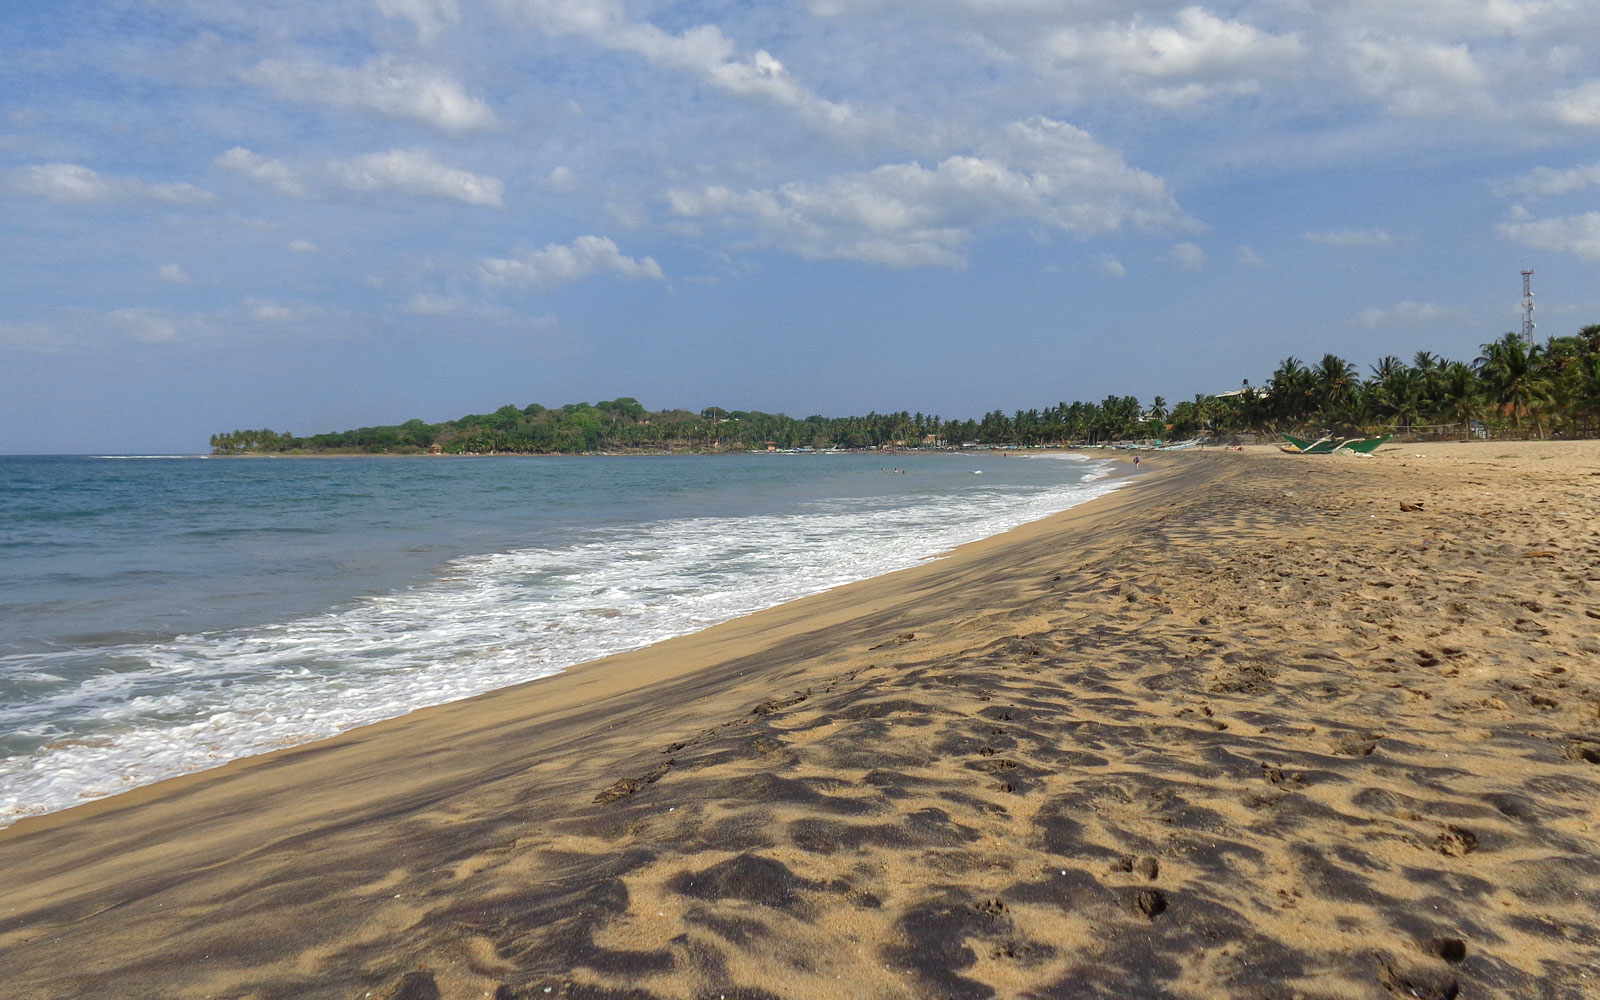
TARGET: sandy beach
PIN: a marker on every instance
(1255, 726)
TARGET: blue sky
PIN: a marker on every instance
(318, 214)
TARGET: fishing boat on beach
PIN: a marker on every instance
(1365, 446)
(1305, 446)
(1327, 445)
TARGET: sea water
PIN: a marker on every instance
(161, 615)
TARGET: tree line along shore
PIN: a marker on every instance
(1514, 387)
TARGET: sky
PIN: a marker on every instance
(313, 215)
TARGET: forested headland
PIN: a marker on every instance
(1514, 387)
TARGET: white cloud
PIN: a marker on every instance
(415, 172)
(177, 194)
(1459, 17)
(423, 304)
(907, 215)
(73, 184)
(1196, 57)
(271, 173)
(410, 171)
(447, 312)
(1351, 238)
(1548, 181)
(1187, 257)
(1249, 258)
(144, 325)
(173, 273)
(557, 265)
(1198, 42)
(303, 246)
(384, 85)
(428, 304)
(1520, 63)
(1110, 265)
(33, 337)
(63, 183)
(560, 180)
(271, 312)
(1404, 314)
(1574, 234)
(1579, 106)
(308, 317)
(626, 215)
(702, 50)
(1421, 78)
(80, 329)
(858, 217)
(430, 17)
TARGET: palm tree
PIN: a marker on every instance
(1291, 393)
(1459, 395)
(1254, 410)
(1336, 389)
(1430, 366)
(1511, 371)
(1584, 387)
(1404, 395)
(1337, 381)
(1386, 367)
(1397, 391)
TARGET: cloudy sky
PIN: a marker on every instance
(317, 214)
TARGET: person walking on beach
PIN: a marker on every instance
(1136, 463)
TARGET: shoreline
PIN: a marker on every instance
(58, 779)
(1110, 749)
(684, 453)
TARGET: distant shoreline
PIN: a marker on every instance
(1084, 449)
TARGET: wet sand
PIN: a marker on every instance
(1244, 729)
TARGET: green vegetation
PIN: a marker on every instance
(625, 425)
(1516, 388)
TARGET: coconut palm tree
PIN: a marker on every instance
(1338, 393)
(1386, 367)
(1399, 393)
(1252, 411)
(1514, 377)
(1337, 381)
(1429, 367)
(1459, 395)
(1291, 394)
(1583, 387)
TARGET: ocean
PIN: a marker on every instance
(165, 614)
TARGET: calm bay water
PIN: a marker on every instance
(162, 615)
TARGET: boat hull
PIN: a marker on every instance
(1326, 446)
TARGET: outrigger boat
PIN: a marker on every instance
(1303, 446)
(1365, 446)
(1328, 445)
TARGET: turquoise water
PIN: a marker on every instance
(159, 615)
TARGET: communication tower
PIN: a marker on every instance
(1527, 306)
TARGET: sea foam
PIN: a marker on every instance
(161, 709)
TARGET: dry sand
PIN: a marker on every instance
(1246, 729)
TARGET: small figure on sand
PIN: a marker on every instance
(1136, 463)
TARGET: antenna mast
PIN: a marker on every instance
(1527, 306)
